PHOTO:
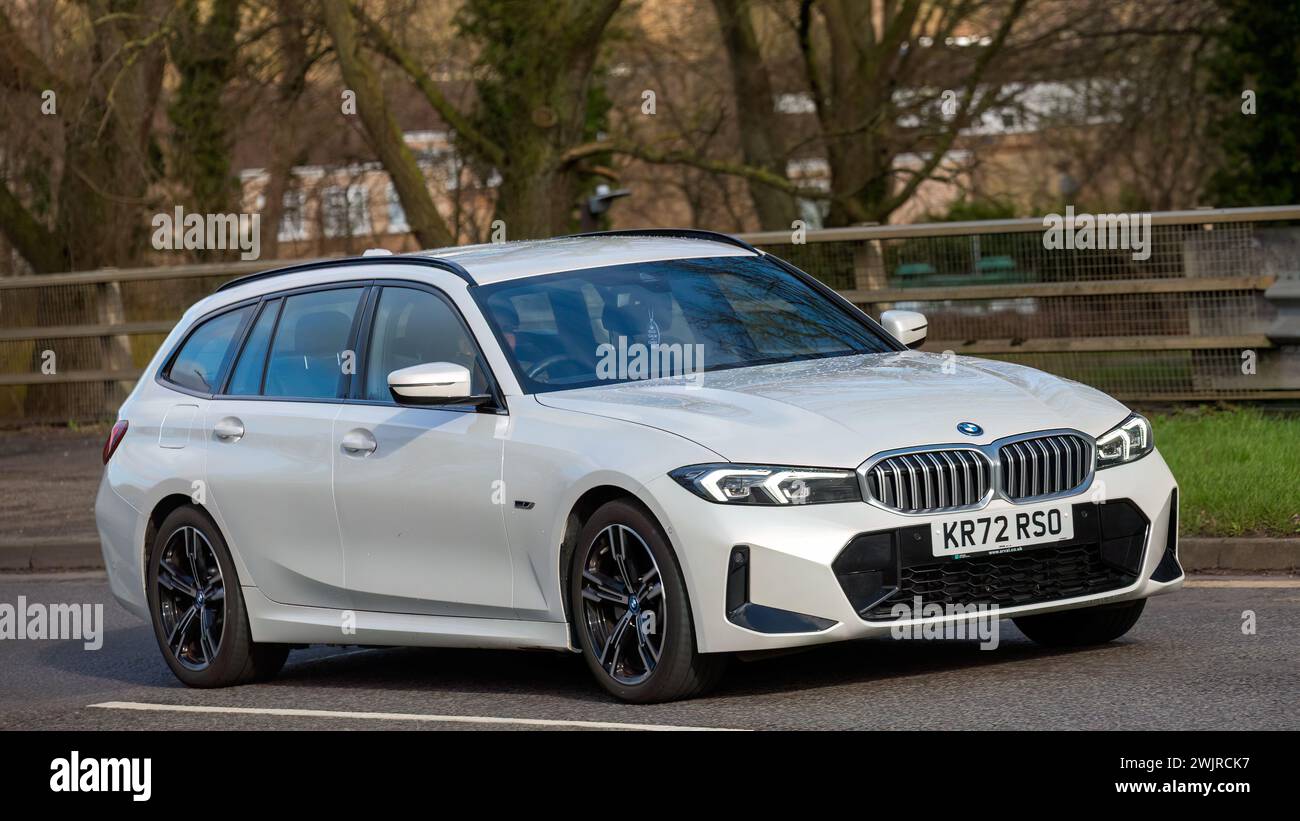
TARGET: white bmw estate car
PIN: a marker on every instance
(484, 447)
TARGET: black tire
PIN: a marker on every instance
(191, 585)
(1077, 628)
(678, 671)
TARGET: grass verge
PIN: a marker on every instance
(1238, 470)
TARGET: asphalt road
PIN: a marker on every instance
(48, 479)
(1186, 665)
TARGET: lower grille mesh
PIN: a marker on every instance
(1008, 580)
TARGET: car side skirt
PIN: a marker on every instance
(277, 623)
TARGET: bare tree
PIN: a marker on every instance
(532, 81)
(79, 202)
(385, 135)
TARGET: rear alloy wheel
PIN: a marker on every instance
(629, 604)
(197, 609)
(1087, 625)
(191, 598)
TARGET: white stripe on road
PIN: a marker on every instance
(1242, 583)
(276, 711)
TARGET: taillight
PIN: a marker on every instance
(114, 439)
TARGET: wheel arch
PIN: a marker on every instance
(582, 509)
(165, 507)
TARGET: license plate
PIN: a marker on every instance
(998, 531)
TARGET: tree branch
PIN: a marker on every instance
(382, 129)
(33, 241)
(20, 67)
(815, 82)
(678, 157)
(384, 43)
(972, 85)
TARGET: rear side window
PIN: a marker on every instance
(309, 350)
(199, 363)
(246, 380)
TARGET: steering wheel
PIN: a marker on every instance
(546, 362)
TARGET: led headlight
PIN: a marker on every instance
(768, 485)
(1128, 442)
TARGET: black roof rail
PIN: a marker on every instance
(404, 259)
(679, 233)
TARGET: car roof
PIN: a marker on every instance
(490, 263)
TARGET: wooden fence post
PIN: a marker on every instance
(116, 356)
(869, 272)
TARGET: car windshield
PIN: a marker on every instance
(675, 318)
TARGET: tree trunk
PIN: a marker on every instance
(755, 113)
(536, 205)
(204, 55)
(382, 130)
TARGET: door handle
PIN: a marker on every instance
(359, 442)
(229, 429)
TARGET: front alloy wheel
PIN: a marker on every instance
(628, 603)
(623, 604)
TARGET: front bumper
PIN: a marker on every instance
(790, 594)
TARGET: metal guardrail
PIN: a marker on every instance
(1172, 327)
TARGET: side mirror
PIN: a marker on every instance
(908, 327)
(432, 383)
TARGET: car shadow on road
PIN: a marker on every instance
(487, 672)
(880, 660)
(128, 655)
(131, 657)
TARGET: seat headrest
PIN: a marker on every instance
(625, 321)
(633, 319)
(321, 332)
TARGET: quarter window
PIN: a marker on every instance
(200, 361)
(308, 356)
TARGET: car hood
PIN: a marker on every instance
(836, 412)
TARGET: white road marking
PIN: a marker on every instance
(449, 719)
(1243, 583)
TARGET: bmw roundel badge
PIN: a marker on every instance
(969, 428)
